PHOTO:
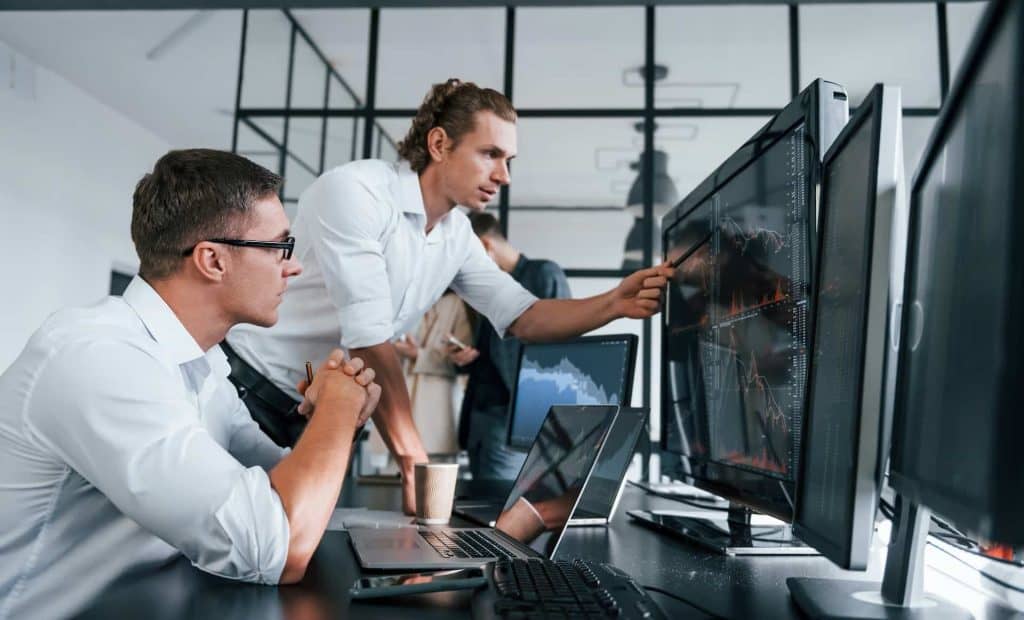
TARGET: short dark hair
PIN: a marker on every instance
(190, 196)
(485, 225)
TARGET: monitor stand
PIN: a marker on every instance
(731, 532)
(679, 490)
(900, 596)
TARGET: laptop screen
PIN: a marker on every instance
(606, 481)
(595, 370)
(549, 484)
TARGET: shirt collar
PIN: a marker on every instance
(517, 271)
(410, 195)
(161, 322)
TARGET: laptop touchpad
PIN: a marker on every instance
(397, 543)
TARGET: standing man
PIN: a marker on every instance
(381, 242)
(122, 443)
(492, 367)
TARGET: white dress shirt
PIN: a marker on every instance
(370, 271)
(122, 445)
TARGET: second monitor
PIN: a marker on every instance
(594, 370)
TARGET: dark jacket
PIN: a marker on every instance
(493, 375)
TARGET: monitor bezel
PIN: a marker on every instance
(850, 549)
(632, 344)
(807, 109)
(1000, 518)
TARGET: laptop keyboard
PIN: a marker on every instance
(463, 544)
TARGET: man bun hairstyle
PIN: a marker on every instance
(452, 106)
(191, 196)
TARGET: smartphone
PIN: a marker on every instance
(457, 342)
(418, 583)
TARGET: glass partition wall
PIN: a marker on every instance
(623, 110)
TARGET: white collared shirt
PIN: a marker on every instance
(122, 445)
(370, 271)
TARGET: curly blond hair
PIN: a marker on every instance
(451, 106)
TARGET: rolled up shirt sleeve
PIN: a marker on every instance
(491, 291)
(122, 420)
(249, 444)
(346, 230)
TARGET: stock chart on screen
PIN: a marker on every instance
(737, 316)
(573, 373)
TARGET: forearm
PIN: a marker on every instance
(393, 417)
(308, 480)
(559, 319)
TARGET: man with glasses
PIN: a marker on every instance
(122, 442)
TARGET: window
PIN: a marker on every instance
(342, 36)
(265, 69)
(722, 57)
(577, 79)
(858, 45)
(421, 47)
(578, 57)
(962, 20)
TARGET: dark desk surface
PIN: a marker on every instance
(733, 587)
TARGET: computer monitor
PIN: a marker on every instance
(956, 424)
(593, 370)
(847, 417)
(958, 428)
(736, 321)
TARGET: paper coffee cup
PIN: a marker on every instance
(435, 491)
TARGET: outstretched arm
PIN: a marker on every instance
(638, 296)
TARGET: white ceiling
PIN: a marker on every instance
(186, 96)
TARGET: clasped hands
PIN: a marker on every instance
(351, 381)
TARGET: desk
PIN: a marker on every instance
(733, 587)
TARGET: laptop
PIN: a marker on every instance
(535, 513)
(604, 488)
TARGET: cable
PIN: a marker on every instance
(977, 551)
(981, 572)
(888, 510)
(683, 500)
(967, 543)
(951, 536)
(682, 600)
(957, 539)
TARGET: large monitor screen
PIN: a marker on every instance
(555, 471)
(957, 396)
(838, 352)
(588, 371)
(736, 326)
(834, 425)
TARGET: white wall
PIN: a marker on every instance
(68, 167)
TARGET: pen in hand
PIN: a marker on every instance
(309, 373)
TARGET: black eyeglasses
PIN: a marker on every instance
(287, 246)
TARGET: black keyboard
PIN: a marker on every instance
(463, 544)
(536, 588)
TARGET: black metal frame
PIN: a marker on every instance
(649, 113)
